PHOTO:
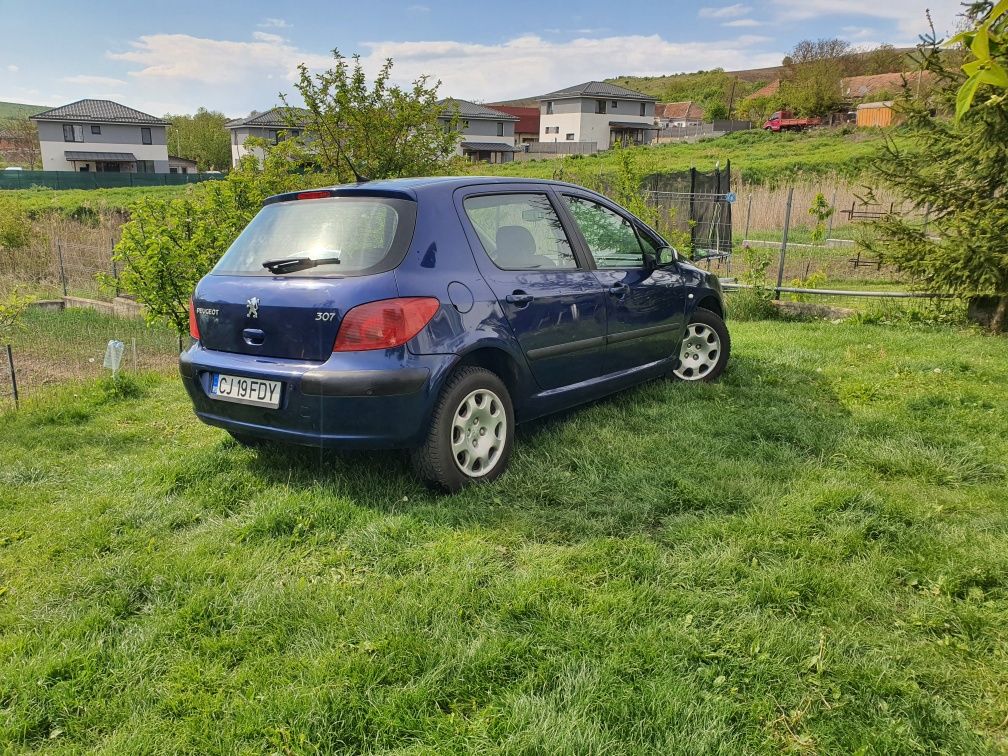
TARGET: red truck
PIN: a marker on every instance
(784, 120)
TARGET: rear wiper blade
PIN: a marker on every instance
(292, 264)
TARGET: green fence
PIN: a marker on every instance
(96, 180)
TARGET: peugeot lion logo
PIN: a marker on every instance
(253, 307)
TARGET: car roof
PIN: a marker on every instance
(412, 188)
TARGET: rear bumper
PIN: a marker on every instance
(363, 400)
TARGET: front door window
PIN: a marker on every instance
(609, 236)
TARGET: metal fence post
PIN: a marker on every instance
(115, 268)
(13, 375)
(783, 246)
(829, 231)
(748, 215)
(63, 277)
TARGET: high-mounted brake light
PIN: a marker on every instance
(384, 324)
(193, 325)
(313, 195)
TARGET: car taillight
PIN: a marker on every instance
(193, 325)
(318, 194)
(384, 324)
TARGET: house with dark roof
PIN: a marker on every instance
(273, 125)
(485, 135)
(103, 136)
(599, 112)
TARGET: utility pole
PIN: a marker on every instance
(731, 98)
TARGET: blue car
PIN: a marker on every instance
(433, 314)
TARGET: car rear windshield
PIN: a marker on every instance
(349, 236)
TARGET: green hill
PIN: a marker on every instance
(19, 109)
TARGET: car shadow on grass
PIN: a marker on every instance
(619, 464)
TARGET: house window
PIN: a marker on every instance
(234, 137)
(465, 124)
(95, 128)
(500, 128)
(173, 169)
(570, 137)
(549, 107)
(73, 132)
(613, 104)
(145, 166)
(552, 129)
(600, 106)
(145, 135)
(643, 108)
(272, 135)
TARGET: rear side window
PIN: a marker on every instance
(520, 231)
(365, 234)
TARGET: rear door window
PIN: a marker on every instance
(520, 231)
(365, 235)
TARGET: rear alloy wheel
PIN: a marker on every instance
(471, 431)
(705, 348)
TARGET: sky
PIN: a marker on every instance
(173, 57)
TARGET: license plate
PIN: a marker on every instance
(234, 388)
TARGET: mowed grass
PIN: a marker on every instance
(810, 555)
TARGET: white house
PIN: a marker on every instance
(487, 135)
(272, 125)
(101, 135)
(597, 112)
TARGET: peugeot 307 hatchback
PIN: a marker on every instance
(435, 314)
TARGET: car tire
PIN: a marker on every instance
(474, 410)
(705, 348)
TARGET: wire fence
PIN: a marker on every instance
(807, 236)
(60, 346)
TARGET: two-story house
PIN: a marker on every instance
(486, 135)
(101, 135)
(273, 125)
(599, 112)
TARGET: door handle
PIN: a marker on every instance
(619, 290)
(519, 298)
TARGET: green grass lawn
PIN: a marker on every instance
(759, 157)
(809, 555)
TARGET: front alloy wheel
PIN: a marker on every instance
(705, 347)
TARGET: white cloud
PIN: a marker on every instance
(181, 58)
(234, 75)
(85, 80)
(726, 11)
(273, 23)
(267, 37)
(742, 22)
(530, 65)
(907, 15)
(418, 8)
(12, 68)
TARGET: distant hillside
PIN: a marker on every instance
(19, 109)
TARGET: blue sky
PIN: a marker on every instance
(175, 56)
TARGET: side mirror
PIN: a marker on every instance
(650, 262)
(667, 255)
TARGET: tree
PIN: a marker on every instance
(201, 137)
(718, 111)
(12, 307)
(22, 138)
(956, 169)
(814, 69)
(883, 59)
(384, 130)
